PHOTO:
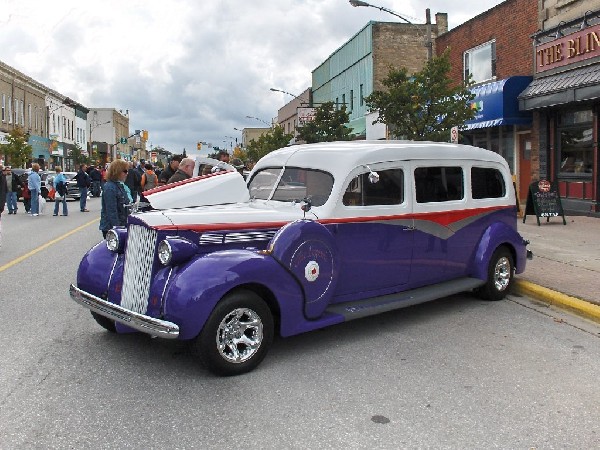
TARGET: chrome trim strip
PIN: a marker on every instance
(235, 237)
(162, 295)
(139, 322)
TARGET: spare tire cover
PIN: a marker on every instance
(306, 248)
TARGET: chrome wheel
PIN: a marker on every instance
(502, 273)
(239, 335)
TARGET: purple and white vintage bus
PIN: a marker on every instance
(320, 234)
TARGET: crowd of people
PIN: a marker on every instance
(119, 184)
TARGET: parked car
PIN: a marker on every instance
(72, 189)
(324, 233)
(23, 175)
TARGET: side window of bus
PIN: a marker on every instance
(389, 190)
(487, 183)
(439, 184)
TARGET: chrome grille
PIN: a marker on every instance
(236, 237)
(139, 256)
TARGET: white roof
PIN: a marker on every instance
(340, 158)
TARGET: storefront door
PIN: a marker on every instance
(524, 166)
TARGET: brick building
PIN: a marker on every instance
(23, 105)
(494, 50)
(358, 67)
(564, 97)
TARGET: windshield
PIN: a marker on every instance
(295, 185)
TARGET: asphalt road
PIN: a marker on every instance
(455, 373)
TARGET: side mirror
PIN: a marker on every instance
(306, 204)
(373, 177)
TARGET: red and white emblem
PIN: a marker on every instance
(544, 186)
(311, 271)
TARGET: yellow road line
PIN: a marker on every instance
(46, 245)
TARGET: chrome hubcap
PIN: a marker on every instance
(502, 273)
(239, 335)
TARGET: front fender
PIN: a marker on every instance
(197, 287)
(95, 269)
(494, 236)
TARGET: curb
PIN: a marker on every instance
(579, 307)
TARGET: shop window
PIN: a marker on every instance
(576, 142)
(389, 190)
(487, 183)
(576, 153)
(439, 184)
(480, 63)
(361, 95)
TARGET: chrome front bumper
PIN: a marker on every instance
(139, 322)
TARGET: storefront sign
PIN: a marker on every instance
(568, 49)
(543, 200)
(306, 115)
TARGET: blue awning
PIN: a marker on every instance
(497, 104)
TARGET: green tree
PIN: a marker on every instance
(424, 106)
(17, 151)
(78, 156)
(275, 138)
(327, 126)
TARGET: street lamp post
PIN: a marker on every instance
(304, 101)
(428, 42)
(93, 126)
(260, 120)
(231, 142)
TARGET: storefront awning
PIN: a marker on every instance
(497, 104)
(566, 87)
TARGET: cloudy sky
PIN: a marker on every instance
(190, 70)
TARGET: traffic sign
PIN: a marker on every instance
(454, 135)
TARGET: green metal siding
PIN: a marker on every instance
(345, 70)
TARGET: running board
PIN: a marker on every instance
(385, 303)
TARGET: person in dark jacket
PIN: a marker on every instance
(114, 198)
(185, 171)
(133, 182)
(2, 198)
(13, 190)
(83, 183)
(96, 178)
(169, 170)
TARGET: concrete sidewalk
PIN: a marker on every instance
(565, 269)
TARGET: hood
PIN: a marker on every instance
(214, 189)
(250, 215)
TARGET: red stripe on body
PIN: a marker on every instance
(444, 218)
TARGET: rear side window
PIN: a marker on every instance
(389, 190)
(439, 184)
(487, 183)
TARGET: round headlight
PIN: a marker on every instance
(164, 252)
(112, 240)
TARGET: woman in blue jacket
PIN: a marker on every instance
(61, 191)
(34, 183)
(114, 198)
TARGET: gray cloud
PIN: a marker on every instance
(189, 70)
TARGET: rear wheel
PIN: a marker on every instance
(237, 335)
(104, 322)
(500, 276)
